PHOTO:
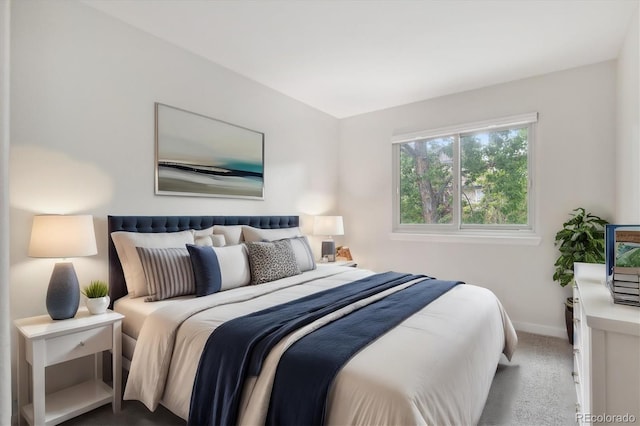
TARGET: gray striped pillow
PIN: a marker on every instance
(168, 272)
(303, 253)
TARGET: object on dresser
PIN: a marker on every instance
(626, 291)
(623, 263)
(343, 253)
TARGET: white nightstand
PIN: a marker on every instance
(43, 342)
(351, 263)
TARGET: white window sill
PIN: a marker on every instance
(516, 239)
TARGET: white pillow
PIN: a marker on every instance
(126, 243)
(234, 266)
(252, 234)
(232, 233)
(206, 237)
(212, 240)
(203, 232)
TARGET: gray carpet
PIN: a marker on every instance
(535, 389)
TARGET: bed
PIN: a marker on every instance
(434, 367)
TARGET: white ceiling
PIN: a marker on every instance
(351, 57)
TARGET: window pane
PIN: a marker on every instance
(426, 181)
(494, 177)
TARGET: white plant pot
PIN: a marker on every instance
(98, 305)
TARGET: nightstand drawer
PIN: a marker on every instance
(79, 344)
(76, 345)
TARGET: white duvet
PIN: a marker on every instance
(435, 368)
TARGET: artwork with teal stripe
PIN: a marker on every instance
(198, 155)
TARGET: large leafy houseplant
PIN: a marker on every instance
(581, 239)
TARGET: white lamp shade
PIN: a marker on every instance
(62, 236)
(328, 225)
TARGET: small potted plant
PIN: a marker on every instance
(581, 239)
(97, 294)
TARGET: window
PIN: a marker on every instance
(469, 178)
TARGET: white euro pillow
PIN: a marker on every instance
(126, 243)
(232, 233)
(206, 237)
(252, 234)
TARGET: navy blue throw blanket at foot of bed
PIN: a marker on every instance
(307, 369)
(237, 348)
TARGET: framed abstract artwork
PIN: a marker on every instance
(201, 156)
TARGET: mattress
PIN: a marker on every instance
(136, 311)
(436, 367)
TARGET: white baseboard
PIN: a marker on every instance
(543, 330)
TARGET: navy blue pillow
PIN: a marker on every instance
(206, 269)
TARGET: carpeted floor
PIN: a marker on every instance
(535, 389)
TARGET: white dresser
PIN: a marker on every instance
(606, 352)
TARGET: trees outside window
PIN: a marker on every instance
(476, 179)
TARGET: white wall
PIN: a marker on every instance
(574, 166)
(83, 91)
(628, 126)
(84, 87)
(5, 352)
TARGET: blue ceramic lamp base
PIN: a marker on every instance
(63, 294)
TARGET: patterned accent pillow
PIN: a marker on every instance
(270, 261)
(168, 272)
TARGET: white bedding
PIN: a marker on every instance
(436, 367)
(136, 311)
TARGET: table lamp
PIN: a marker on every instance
(328, 226)
(60, 236)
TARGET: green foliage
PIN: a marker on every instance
(96, 289)
(426, 179)
(581, 239)
(410, 202)
(498, 166)
(494, 179)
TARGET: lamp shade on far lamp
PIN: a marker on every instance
(328, 226)
(58, 236)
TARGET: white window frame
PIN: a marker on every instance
(523, 234)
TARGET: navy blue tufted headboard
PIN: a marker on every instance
(117, 286)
